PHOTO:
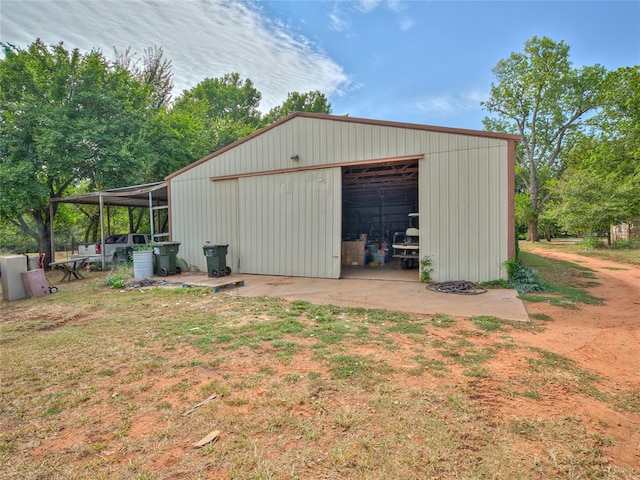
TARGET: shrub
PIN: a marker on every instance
(117, 277)
(632, 244)
(591, 242)
(522, 278)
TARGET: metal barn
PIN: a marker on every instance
(287, 198)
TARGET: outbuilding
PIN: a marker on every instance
(290, 198)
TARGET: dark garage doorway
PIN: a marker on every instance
(376, 201)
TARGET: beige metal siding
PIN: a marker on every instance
(464, 212)
(291, 223)
(201, 211)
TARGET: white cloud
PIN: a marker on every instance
(367, 6)
(406, 23)
(452, 103)
(441, 103)
(342, 11)
(202, 39)
(338, 21)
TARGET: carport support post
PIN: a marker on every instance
(51, 242)
(102, 231)
(151, 226)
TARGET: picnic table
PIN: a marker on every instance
(71, 267)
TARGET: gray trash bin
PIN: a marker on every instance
(216, 259)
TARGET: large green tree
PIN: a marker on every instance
(541, 97)
(313, 101)
(601, 186)
(65, 117)
(221, 111)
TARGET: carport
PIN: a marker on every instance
(153, 196)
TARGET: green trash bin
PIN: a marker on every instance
(166, 254)
(216, 259)
(122, 255)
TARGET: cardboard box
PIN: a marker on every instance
(352, 253)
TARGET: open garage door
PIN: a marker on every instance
(377, 199)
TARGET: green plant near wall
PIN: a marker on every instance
(523, 278)
(115, 279)
(425, 269)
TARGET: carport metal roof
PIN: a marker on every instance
(150, 195)
(154, 194)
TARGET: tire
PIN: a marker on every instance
(228, 270)
(215, 273)
(178, 270)
(116, 260)
(53, 289)
(163, 272)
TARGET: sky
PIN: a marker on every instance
(426, 62)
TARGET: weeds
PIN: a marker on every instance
(523, 278)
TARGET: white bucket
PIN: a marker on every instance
(143, 264)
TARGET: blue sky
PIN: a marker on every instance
(423, 62)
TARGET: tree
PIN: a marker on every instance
(222, 110)
(227, 97)
(156, 71)
(65, 117)
(601, 186)
(540, 96)
(591, 203)
(299, 102)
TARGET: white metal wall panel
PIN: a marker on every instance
(201, 211)
(464, 211)
(291, 223)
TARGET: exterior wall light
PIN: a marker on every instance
(295, 157)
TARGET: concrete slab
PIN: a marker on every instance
(402, 296)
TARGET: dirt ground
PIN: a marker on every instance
(601, 338)
(604, 339)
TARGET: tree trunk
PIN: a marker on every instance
(43, 236)
(532, 231)
(532, 225)
(44, 242)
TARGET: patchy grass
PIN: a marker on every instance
(97, 383)
(541, 316)
(566, 282)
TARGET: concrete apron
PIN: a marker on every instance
(401, 296)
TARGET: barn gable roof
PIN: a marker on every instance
(339, 118)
